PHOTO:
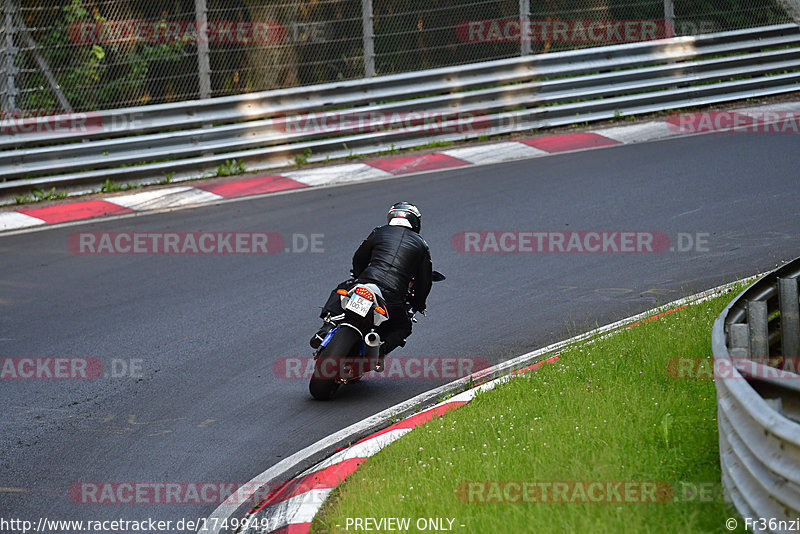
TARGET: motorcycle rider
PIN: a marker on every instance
(392, 256)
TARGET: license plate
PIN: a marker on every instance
(359, 305)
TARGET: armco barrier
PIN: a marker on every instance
(759, 404)
(190, 139)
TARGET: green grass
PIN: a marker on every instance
(434, 144)
(231, 167)
(110, 186)
(40, 195)
(604, 411)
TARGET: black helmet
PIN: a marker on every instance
(405, 214)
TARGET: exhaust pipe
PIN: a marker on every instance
(372, 342)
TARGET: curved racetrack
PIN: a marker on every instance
(207, 329)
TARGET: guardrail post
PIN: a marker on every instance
(757, 324)
(669, 18)
(790, 317)
(8, 70)
(759, 434)
(739, 341)
(203, 60)
(368, 29)
(524, 18)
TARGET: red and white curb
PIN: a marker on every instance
(204, 193)
(199, 194)
(291, 507)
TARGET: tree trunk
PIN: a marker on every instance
(792, 8)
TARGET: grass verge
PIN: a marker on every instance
(606, 411)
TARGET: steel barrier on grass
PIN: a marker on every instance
(755, 343)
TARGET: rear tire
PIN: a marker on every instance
(343, 344)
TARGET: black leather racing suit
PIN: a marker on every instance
(391, 257)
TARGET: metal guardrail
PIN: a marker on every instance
(758, 404)
(193, 138)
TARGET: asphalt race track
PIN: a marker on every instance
(202, 331)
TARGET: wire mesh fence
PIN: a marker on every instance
(80, 55)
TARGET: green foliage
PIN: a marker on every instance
(95, 75)
(408, 38)
(38, 195)
(110, 186)
(230, 168)
(302, 159)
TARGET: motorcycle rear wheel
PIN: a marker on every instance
(323, 384)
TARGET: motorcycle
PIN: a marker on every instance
(352, 347)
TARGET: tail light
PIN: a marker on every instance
(364, 292)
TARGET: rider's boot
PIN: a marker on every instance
(327, 326)
(384, 350)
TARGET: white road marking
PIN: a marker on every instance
(495, 153)
(12, 220)
(635, 133)
(164, 198)
(337, 174)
